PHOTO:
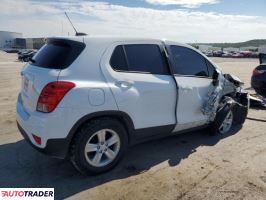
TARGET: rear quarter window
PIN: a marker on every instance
(58, 54)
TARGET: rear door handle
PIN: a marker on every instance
(187, 88)
(124, 84)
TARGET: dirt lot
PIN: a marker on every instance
(187, 166)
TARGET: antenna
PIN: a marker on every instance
(77, 33)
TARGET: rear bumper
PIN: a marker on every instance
(53, 129)
(54, 147)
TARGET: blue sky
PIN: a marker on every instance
(244, 7)
(181, 20)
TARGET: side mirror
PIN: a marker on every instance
(215, 78)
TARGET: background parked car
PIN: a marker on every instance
(26, 54)
(226, 55)
(10, 50)
(217, 53)
(209, 54)
(258, 79)
(22, 51)
(237, 55)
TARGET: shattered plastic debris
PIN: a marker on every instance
(257, 101)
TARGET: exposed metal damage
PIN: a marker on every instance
(227, 96)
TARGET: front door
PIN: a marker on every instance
(194, 81)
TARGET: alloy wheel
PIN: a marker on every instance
(102, 148)
(227, 123)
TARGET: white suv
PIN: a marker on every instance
(89, 98)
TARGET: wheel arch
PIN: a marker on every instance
(122, 117)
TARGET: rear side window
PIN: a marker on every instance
(188, 62)
(58, 54)
(146, 58)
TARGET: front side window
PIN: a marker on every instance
(188, 62)
(146, 58)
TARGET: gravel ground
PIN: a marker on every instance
(186, 166)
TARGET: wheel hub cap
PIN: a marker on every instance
(227, 123)
(102, 148)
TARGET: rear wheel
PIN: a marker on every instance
(102, 147)
(98, 146)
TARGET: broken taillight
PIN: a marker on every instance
(52, 94)
(37, 139)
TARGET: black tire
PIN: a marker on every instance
(224, 108)
(77, 155)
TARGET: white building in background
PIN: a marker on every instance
(7, 39)
(262, 49)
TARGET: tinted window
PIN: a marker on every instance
(211, 68)
(118, 59)
(188, 62)
(261, 67)
(58, 54)
(145, 58)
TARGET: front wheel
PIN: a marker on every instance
(224, 119)
(98, 146)
(227, 123)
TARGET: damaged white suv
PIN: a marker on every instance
(89, 98)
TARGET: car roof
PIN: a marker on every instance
(113, 39)
(107, 40)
